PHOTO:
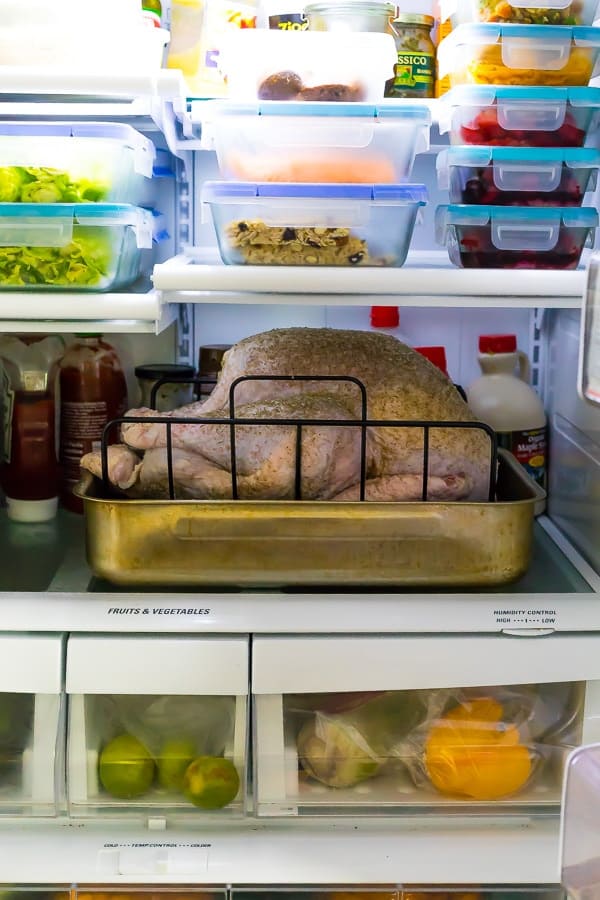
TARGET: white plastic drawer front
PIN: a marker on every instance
(157, 665)
(313, 664)
(31, 664)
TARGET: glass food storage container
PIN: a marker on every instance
(520, 117)
(518, 176)
(73, 162)
(367, 725)
(318, 142)
(520, 12)
(72, 247)
(350, 15)
(175, 743)
(308, 65)
(31, 724)
(529, 55)
(500, 237)
(314, 225)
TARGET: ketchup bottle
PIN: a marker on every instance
(93, 390)
(28, 463)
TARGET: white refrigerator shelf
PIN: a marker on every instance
(427, 280)
(46, 585)
(118, 313)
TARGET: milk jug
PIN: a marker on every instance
(503, 398)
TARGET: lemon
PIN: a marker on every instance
(125, 767)
(172, 761)
(211, 782)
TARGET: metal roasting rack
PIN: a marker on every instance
(364, 423)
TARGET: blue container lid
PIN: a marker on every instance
(121, 213)
(492, 33)
(223, 191)
(462, 214)
(394, 110)
(487, 94)
(114, 131)
(576, 157)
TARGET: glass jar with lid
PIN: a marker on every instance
(170, 395)
(351, 15)
(415, 69)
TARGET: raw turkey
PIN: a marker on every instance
(401, 385)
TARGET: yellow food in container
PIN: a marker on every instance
(487, 67)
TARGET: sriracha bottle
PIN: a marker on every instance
(93, 390)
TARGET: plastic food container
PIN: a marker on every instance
(519, 54)
(74, 247)
(518, 176)
(87, 49)
(520, 12)
(48, 162)
(308, 66)
(314, 225)
(319, 142)
(497, 237)
(520, 117)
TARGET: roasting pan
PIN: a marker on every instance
(293, 543)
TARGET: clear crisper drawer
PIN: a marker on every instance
(72, 247)
(318, 142)
(63, 162)
(157, 726)
(414, 725)
(31, 725)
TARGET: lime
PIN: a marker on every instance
(172, 761)
(125, 767)
(211, 782)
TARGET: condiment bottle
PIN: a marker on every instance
(415, 68)
(29, 467)
(435, 355)
(152, 13)
(210, 358)
(93, 390)
(170, 395)
(387, 319)
(503, 398)
(282, 15)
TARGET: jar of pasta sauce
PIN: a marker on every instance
(415, 69)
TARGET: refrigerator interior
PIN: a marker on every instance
(76, 843)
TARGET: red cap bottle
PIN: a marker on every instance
(435, 355)
(497, 343)
(385, 317)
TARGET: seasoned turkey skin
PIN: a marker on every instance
(401, 385)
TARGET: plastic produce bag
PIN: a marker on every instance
(172, 744)
(343, 739)
(487, 744)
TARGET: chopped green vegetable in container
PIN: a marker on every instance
(21, 184)
(85, 261)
